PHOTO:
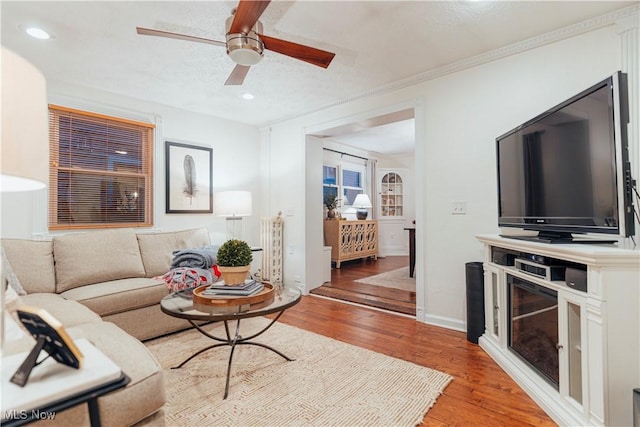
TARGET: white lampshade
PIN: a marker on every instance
(232, 203)
(362, 201)
(24, 139)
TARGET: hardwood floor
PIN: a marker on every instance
(481, 394)
(343, 285)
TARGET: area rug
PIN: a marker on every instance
(330, 383)
(397, 279)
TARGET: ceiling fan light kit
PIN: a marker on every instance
(245, 41)
(245, 49)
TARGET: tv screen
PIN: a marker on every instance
(566, 170)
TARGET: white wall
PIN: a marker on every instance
(462, 115)
(314, 271)
(235, 162)
(487, 101)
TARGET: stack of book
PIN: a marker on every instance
(219, 289)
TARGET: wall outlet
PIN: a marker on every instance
(459, 208)
(291, 250)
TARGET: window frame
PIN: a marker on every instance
(352, 167)
(146, 174)
(340, 167)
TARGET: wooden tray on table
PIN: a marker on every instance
(264, 297)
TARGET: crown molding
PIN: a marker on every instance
(623, 17)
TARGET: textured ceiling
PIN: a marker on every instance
(376, 44)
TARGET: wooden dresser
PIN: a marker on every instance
(351, 239)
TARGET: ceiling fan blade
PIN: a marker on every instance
(314, 56)
(236, 78)
(167, 34)
(247, 14)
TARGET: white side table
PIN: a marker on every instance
(53, 387)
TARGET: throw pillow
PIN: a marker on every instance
(9, 276)
(13, 329)
(12, 300)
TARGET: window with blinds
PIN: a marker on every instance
(351, 185)
(101, 171)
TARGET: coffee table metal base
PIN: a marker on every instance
(233, 341)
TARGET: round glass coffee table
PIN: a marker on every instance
(181, 304)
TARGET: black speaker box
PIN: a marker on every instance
(474, 273)
(576, 278)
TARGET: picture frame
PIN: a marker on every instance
(51, 337)
(189, 178)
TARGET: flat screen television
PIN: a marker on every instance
(567, 170)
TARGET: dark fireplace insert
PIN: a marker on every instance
(533, 326)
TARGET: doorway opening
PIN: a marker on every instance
(382, 283)
(386, 141)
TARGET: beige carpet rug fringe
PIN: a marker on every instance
(330, 383)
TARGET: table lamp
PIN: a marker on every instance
(233, 205)
(24, 141)
(362, 203)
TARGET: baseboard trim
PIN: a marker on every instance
(445, 322)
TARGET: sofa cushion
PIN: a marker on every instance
(157, 248)
(69, 313)
(98, 256)
(32, 263)
(116, 296)
(147, 323)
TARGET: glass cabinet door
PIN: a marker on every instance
(574, 342)
(571, 325)
(391, 195)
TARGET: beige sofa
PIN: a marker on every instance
(102, 286)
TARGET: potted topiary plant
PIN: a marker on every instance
(331, 203)
(234, 258)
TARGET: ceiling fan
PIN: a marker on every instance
(246, 43)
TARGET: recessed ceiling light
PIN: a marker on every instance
(247, 96)
(38, 33)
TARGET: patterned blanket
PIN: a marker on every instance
(181, 278)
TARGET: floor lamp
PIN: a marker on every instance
(233, 205)
(24, 140)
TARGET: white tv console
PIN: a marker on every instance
(598, 331)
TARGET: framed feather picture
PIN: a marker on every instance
(189, 178)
